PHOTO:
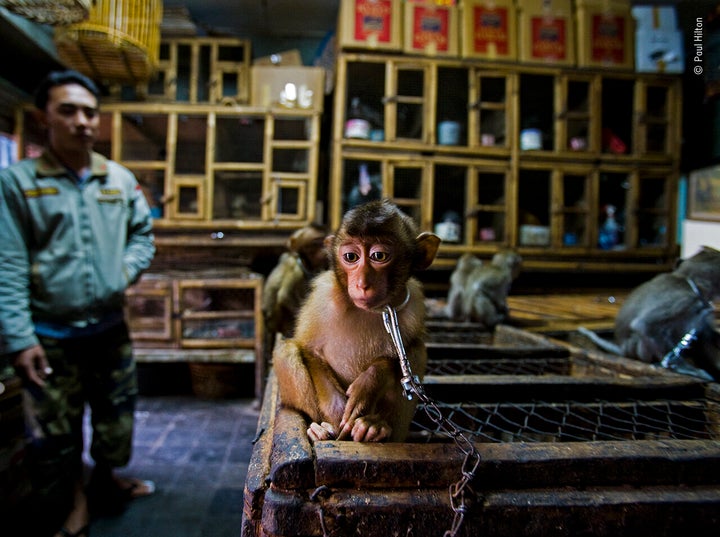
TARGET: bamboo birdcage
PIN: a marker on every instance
(54, 12)
(118, 42)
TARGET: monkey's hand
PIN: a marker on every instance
(372, 428)
(321, 431)
(374, 384)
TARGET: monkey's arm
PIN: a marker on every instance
(306, 384)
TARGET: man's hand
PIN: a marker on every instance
(32, 365)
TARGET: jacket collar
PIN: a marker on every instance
(49, 166)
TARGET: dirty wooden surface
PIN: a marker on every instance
(662, 484)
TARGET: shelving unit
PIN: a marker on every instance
(196, 70)
(542, 153)
(210, 167)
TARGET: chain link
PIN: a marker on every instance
(459, 502)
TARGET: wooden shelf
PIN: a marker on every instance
(606, 138)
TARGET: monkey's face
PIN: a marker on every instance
(314, 255)
(364, 268)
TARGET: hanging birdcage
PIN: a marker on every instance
(118, 42)
(53, 12)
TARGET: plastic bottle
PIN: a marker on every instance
(365, 190)
(609, 233)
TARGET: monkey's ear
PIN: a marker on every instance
(328, 242)
(427, 247)
(292, 242)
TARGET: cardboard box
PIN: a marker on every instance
(659, 51)
(370, 24)
(534, 235)
(605, 34)
(655, 17)
(430, 29)
(489, 29)
(268, 87)
(658, 42)
(546, 32)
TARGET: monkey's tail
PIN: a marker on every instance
(604, 344)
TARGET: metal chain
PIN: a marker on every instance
(411, 385)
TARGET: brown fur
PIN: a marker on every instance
(658, 313)
(289, 282)
(478, 292)
(340, 369)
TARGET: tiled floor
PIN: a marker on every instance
(197, 452)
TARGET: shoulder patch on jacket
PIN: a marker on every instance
(38, 192)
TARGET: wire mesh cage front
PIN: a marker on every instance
(575, 421)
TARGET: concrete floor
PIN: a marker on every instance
(197, 452)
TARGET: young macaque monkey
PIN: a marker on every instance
(478, 292)
(341, 369)
(289, 282)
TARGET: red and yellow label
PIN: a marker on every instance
(490, 30)
(607, 38)
(549, 38)
(431, 27)
(373, 20)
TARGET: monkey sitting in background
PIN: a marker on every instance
(289, 282)
(478, 292)
(659, 314)
(341, 369)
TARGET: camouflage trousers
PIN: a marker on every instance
(97, 371)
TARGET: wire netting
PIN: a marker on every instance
(572, 421)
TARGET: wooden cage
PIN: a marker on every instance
(570, 442)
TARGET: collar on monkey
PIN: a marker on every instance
(398, 308)
(674, 360)
(697, 292)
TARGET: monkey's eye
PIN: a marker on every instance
(380, 256)
(351, 257)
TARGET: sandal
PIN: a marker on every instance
(110, 497)
(136, 488)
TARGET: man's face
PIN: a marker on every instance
(72, 119)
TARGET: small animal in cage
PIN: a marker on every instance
(341, 369)
(672, 314)
(478, 292)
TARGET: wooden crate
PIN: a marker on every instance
(370, 24)
(430, 29)
(208, 316)
(268, 87)
(605, 34)
(559, 454)
(489, 29)
(546, 32)
(213, 70)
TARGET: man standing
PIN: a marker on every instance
(75, 231)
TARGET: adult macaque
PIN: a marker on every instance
(288, 283)
(478, 292)
(660, 312)
(341, 369)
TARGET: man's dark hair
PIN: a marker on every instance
(62, 78)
